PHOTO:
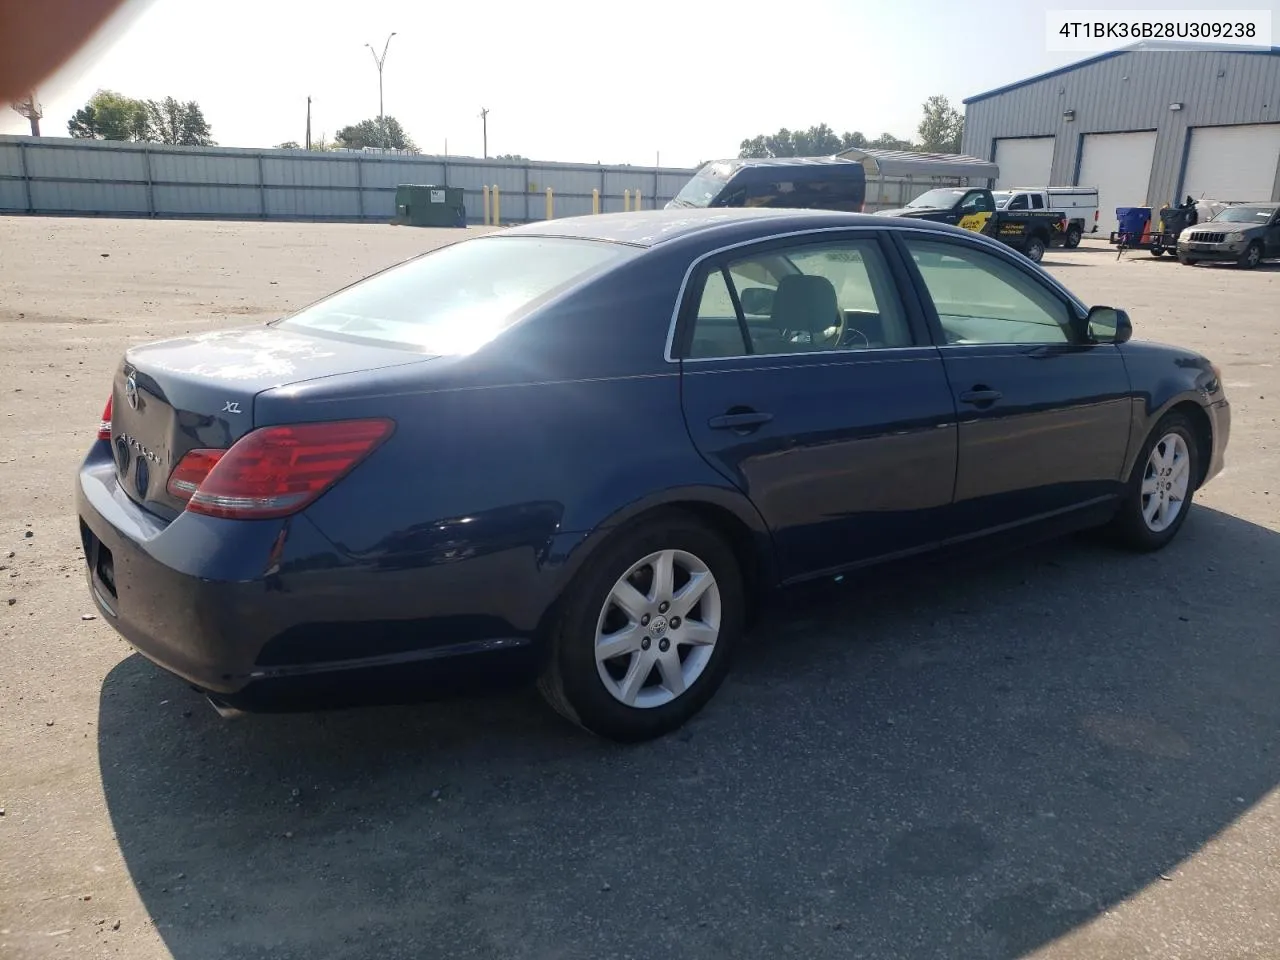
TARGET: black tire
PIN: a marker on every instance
(1186, 261)
(1157, 250)
(1129, 527)
(1073, 238)
(1251, 257)
(1034, 250)
(572, 684)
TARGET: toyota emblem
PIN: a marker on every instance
(131, 392)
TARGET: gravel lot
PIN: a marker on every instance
(1067, 752)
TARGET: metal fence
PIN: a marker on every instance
(51, 175)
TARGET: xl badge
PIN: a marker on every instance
(230, 406)
(131, 392)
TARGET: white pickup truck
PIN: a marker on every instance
(1079, 205)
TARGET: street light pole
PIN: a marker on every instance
(484, 121)
(380, 60)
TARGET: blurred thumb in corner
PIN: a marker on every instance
(38, 36)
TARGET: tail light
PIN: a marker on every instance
(104, 427)
(274, 471)
(1095, 216)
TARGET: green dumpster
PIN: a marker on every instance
(427, 205)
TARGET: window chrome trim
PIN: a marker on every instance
(971, 238)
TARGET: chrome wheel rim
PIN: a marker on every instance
(1165, 482)
(658, 629)
(1253, 256)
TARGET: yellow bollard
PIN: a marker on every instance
(595, 200)
(485, 191)
(550, 205)
(497, 207)
(635, 201)
(626, 201)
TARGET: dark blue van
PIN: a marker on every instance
(812, 183)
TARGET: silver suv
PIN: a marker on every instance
(1245, 233)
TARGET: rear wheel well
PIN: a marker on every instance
(736, 533)
(1203, 430)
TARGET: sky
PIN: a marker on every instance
(626, 82)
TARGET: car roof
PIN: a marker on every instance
(649, 228)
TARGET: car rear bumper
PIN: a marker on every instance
(253, 611)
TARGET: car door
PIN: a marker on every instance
(974, 210)
(1273, 236)
(1043, 416)
(808, 380)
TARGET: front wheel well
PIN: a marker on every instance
(1203, 430)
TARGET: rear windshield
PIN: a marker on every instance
(456, 299)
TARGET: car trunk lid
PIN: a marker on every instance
(174, 396)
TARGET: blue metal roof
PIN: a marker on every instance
(1140, 46)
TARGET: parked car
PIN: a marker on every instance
(1078, 205)
(584, 450)
(824, 183)
(1245, 234)
(974, 208)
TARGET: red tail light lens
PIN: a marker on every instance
(192, 471)
(275, 471)
(104, 427)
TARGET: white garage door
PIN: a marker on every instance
(1232, 163)
(1119, 165)
(1024, 161)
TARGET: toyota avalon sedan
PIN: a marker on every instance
(581, 453)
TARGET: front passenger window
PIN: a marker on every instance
(982, 298)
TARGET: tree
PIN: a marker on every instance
(887, 141)
(510, 156)
(942, 127)
(111, 116)
(369, 133)
(289, 145)
(817, 141)
(181, 123)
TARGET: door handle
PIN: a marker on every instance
(745, 421)
(981, 396)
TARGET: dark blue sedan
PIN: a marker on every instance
(583, 451)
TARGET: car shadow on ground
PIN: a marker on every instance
(932, 762)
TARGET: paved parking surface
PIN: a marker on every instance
(1065, 752)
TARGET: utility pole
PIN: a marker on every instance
(31, 110)
(380, 60)
(308, 123)
(484, 120)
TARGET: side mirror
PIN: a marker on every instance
(1108, 325)
(757, 301)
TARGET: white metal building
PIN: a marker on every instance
(1146, 125)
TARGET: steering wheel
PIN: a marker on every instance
(832, 336)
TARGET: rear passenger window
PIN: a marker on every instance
(1037, 202)
(806, 299)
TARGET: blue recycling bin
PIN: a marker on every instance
(1133, 220)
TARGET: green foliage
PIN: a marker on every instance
(289, 145)
(369, 133)
(112, 116)
(942, 127)
(819, 141)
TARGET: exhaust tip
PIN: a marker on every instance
(225, 710)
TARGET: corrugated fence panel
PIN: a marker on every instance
(307, 172)
(112, 178)
(10, 160)
(12, 195)
(195, 168)
(208, 201)
(391, 173)
(85, 164)
(61, 197)
(299, 203)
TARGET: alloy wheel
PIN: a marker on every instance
(658, 629)
(1165, 482)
